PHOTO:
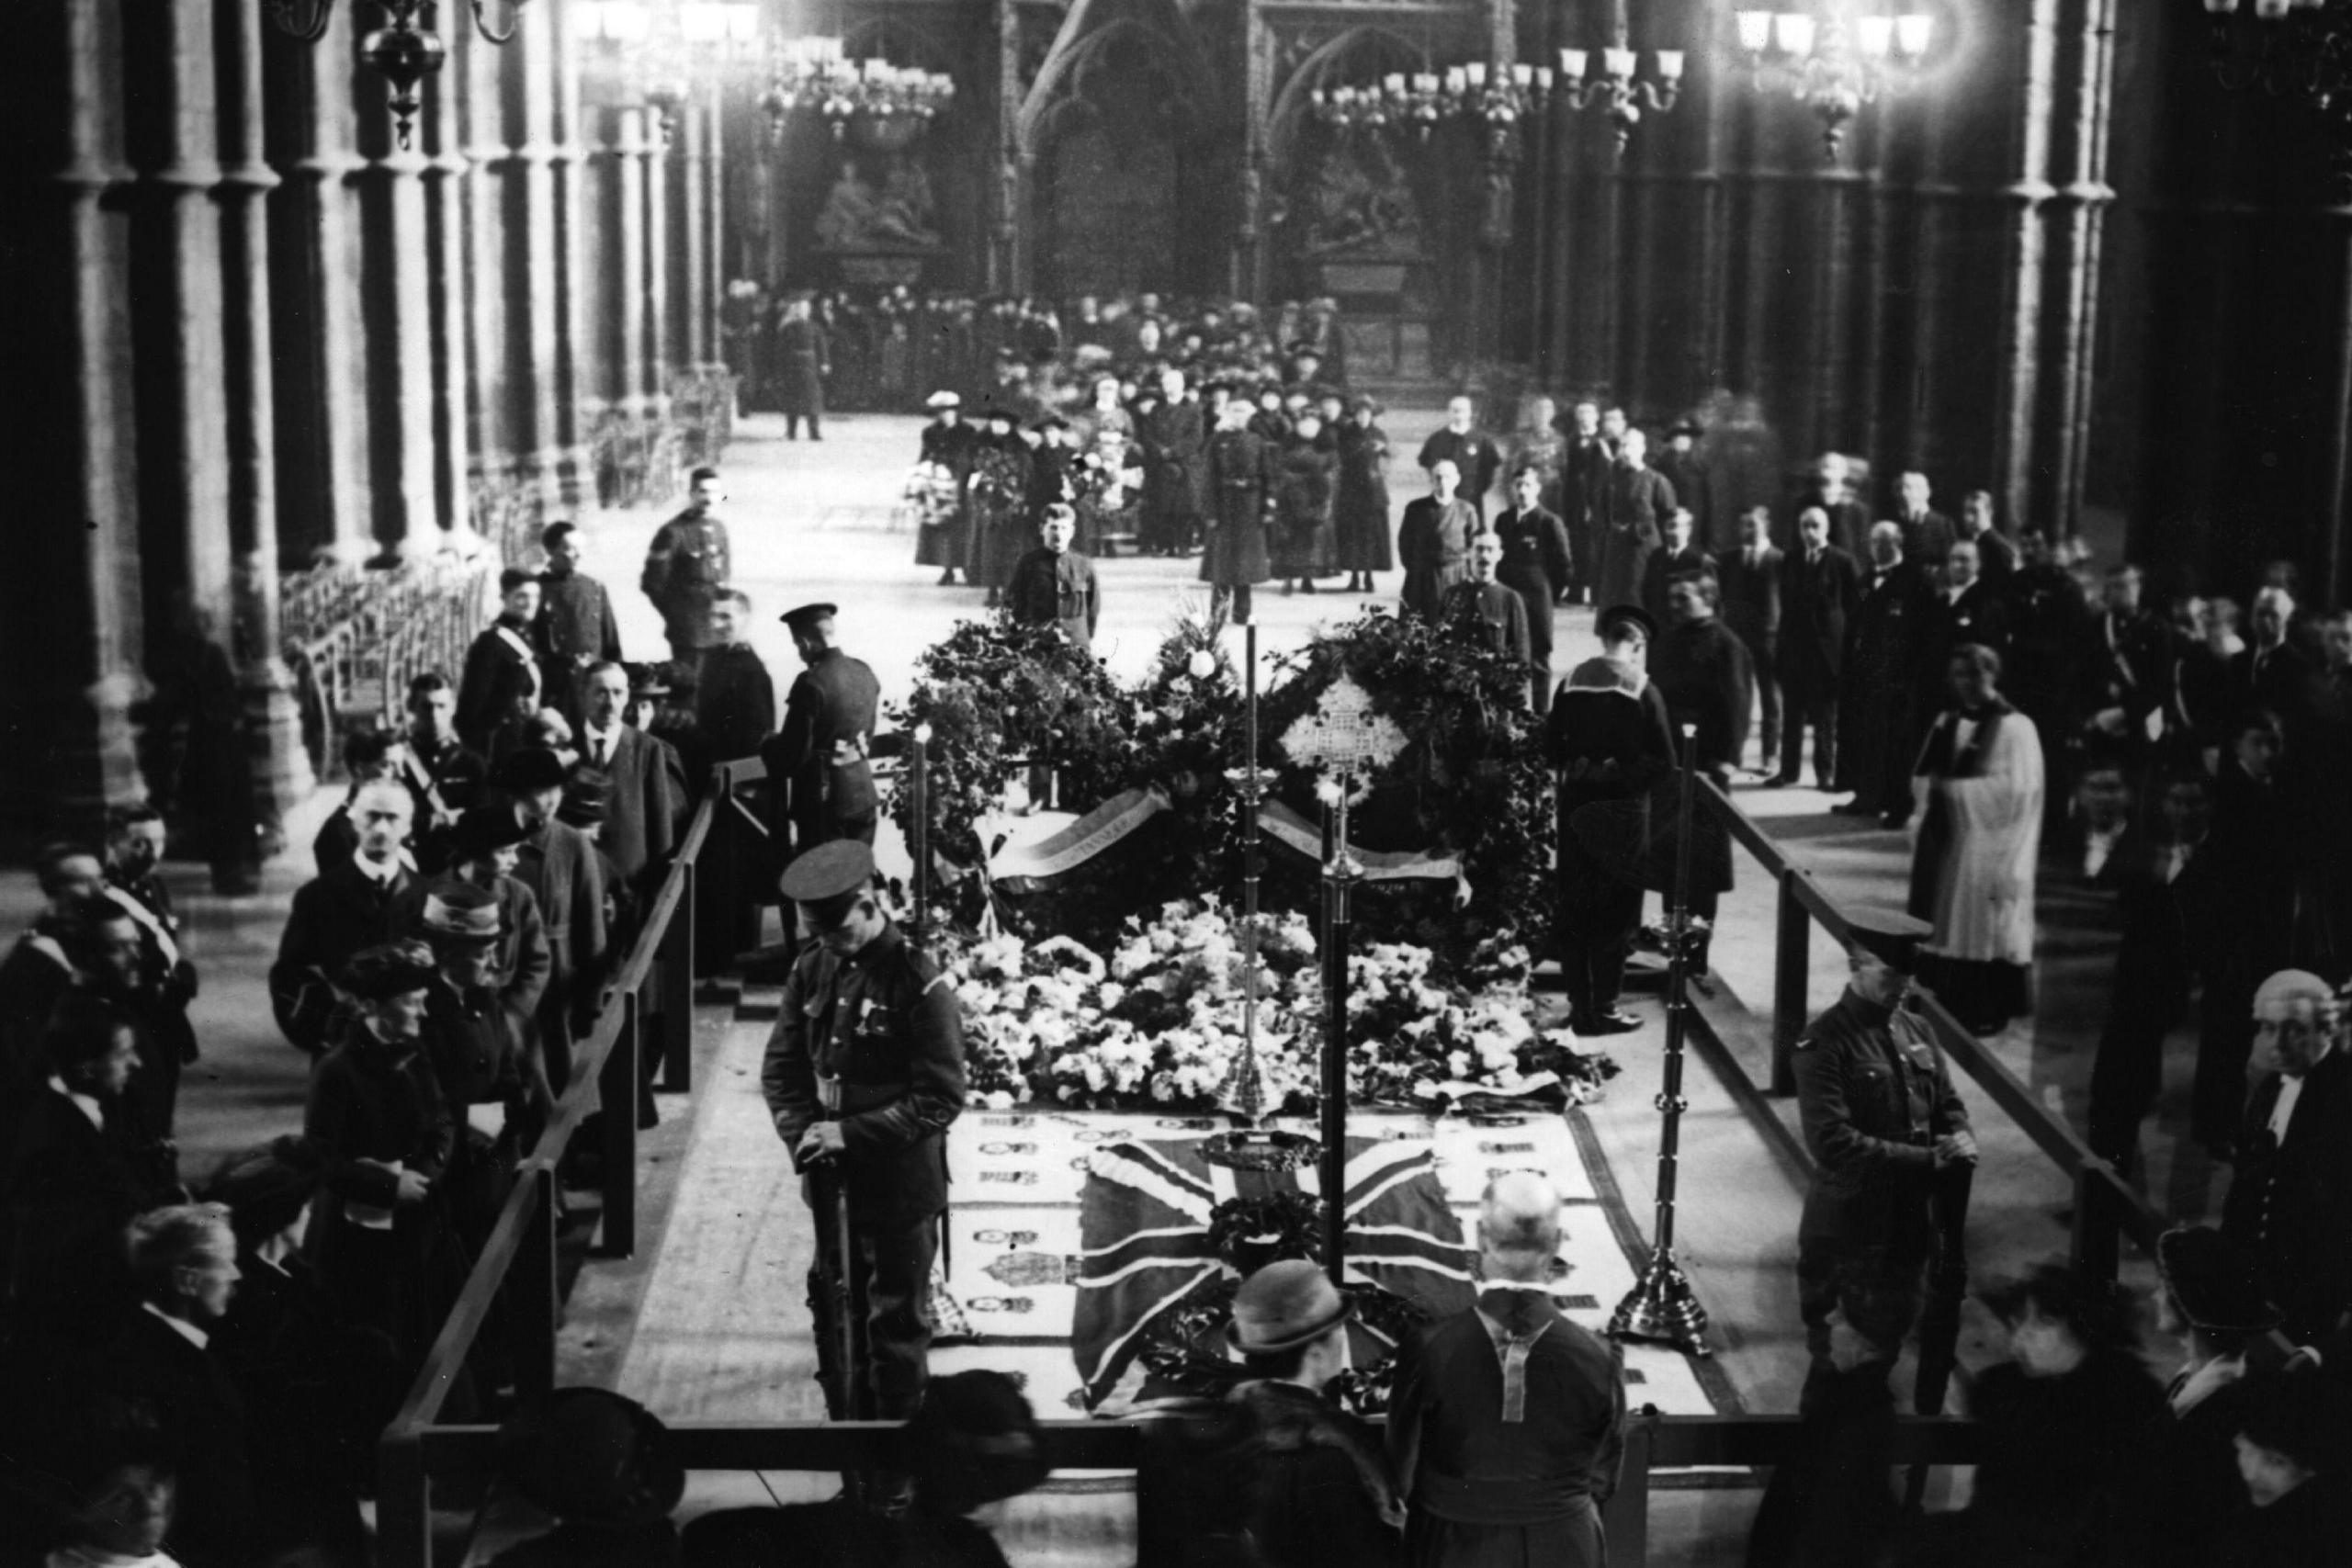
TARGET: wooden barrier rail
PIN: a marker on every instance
(2106, 1207)
(519, 1258)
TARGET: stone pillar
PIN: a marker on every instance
(1005, 274)
(273, 724)
(448, 190)
(493, 427)
(626, 263)
(718, 266)
(577, 390)
(690, 299)
(69, 602)
(396, 296)
(325, 485)
(533, 296)
(2074, 223)
(654, 154)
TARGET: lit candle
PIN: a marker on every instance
(1669, 66)
(1876, 35)
(1478, 70)
(1619, 61)
(1393, 81)
(1794, 31)
(1913, 33)
(1755, 30)
(1572, 62)
(1522, 74)
(1542, 78)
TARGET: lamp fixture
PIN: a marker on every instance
(669, 46)
(1616, 89)
(404, 51)
(1833, 70)
(2298, 47)
(891, 103)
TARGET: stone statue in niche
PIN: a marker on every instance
(856, 217)
(1360, 203)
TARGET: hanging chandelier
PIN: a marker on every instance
(1833, 70)
(2301, 48)
(1616, 89)
(404, 51)
(1497, 99)
(888, 104)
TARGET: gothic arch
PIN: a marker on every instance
(1351, 58)
(1085, 44)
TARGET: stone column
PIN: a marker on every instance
(690, 293)
(489, 258)
(70, 605)
(534, 297)
(627, 264)
(272, 723)
(448, 188)
(719, 268)
(577, 390)
(396, 295)
(325, 485)
(658, 361)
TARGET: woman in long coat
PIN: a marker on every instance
(1113, 465)
(998, 498)
(1241, 498)
(942, 537)
(1361, 514)
(1977, 785)
(1306, 476)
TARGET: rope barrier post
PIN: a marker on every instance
(1341, 876)
(1662, 1306)
(678, 988)
(1625, 1517)
(1791, 964)
(534, 1289)
(616, 1086)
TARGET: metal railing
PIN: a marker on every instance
(519, 1258)
(2106, 1206)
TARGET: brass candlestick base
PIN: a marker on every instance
(1662, 1308)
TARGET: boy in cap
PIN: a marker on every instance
(863, 1075)
(1884, 1123)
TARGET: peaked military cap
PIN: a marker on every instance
(1889, 934)
(808, 615)
(828, 880)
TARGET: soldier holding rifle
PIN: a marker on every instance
(863, 1076)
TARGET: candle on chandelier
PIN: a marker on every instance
(1619, 63)
(1572, 63)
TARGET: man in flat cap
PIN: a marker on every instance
(863, 1076)
(1607, 739)
(817, 763)
(1883, 1125)
(559, 865)
(491, 1074)
(2289, 1203)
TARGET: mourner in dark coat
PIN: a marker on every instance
(686, 565)
(1363, 528)
(1482, 610)
(1306, 480)
(1586, 461)
(1433, 543)
(1827, 489)
(2270, 672)
(2211, 1298)
(505, 681)
(1472, 451)
(1685, 468)
(1304, 1483)
(1539, 567)
(370, 755)
(486, 852)
(1054, 586)
(337, 914)
(184, 1264)
(1883, 1123)
(997, 497)
(863, 1074)
(576, 628)
(162, 983)
(804, 358)
(378, 1234)
(2290, 1453)
(1963, 609)
(1751, 573)
(2129, 668)
(1506, 1423)
(1704, 673)
(647, 799)
(1607, 739)
(818, 762)
(1820, 589)
(1877, 738)
(2051, 660)
(1240, 504)
(1175, 473)
(71, 1184)
(1676, 556)
(1927, 533)
(735, 697)
(948, 442)
(2289, 1203)
(1636, 504)
(442, 773)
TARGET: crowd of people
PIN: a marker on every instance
(202, 1358)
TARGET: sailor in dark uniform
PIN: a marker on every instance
(1608, 739)
(863, 1073)
(1883, 1125)
(817, 764)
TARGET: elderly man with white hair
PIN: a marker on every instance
(2291, 1202)
(1505, 1429)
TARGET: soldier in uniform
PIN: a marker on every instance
(863, 1076)
(817, 763)
(576, 629)
(1883, 1125)
(686, 566)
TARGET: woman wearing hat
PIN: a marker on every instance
(2292, 1446)
(1360, 511)
(603, 1467)
(1113, 478)
(997, 493)
(947, 450)
(1307, 479)
(2211, 1302)
(384, 1133)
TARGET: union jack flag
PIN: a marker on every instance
(1144, 1223)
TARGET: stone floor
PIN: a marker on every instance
(814, 522)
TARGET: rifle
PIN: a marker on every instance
(841, 1292)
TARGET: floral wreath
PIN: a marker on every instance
(1249, 1232)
